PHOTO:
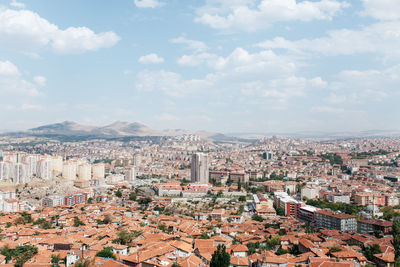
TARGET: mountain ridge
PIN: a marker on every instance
(117, 129)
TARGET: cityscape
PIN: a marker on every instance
(209, 133)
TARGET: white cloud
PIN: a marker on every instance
(12, 84)
(356, 87)
(247, 16)
(148, 3)
(196, 46)
(127, 72)
(381, 38)
(76, 40)
(241, 73)
(167, 117)
(16, 4)
(8, 69)
(151, 59)
(24, 107)
(382, 9)
(241, 61)
(327, 109)
(27, 32)
(40, 80)
(199, 59)
(170, 83)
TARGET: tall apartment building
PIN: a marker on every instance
(44, 170)
(4, 170)
(69, 170)
(130, 174)
(19, 173)
(98, 170)
(290, 205)
(199, 168)
(333, 220)
(57, 165)
(84, 171)
(269, 155)
(32, 161)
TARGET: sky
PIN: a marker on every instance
(219, 65)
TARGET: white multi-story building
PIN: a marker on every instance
(32, 161)
(19, 173)
(84, 171)
(4, 170)
(10, 156)
(57, 165)
(309, 192)
(44, 169)
(137, 160)
(98, 170)
(130, 174)
(8, 203)
(69, 170)
(199, 168)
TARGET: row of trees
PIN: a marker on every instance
(343, 207)
(20, 254)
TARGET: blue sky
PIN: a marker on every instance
(217, 65)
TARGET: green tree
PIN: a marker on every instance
(239, 185)
(118, 193)
(257, 218)
(55, 260)
(107, 252)
(389, 213)
(241, 209)
(220, 257)
(27, 217)
(253, 247)
(43, 223)
(23, 253)
(107, 219)
(272, 243)
(280, 212)
(124, 237)
(204, 235)
(242, 199)
(83, 262)
(281, 251)
(144, 201)
(370, 251)
(282, 232)
(335, 249)
(78, 222)
(294, 250)
(132, 196)
(396, 240)
(7, 252)
(175, 265)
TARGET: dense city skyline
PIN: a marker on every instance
(223, 66)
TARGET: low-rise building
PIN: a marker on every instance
(336, 220)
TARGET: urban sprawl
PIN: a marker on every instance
(186, 201)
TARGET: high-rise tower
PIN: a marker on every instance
(199, 168)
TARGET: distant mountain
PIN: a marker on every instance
(321, 135)
(120, 128)
(117, 129)
(63, 128)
